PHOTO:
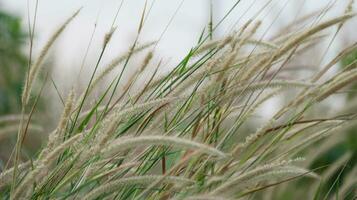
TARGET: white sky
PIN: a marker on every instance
(182, 33)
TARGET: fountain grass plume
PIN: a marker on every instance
(37, 65)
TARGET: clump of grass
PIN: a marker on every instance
(183, 135)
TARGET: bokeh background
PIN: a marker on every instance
(178, 23)
(182, 33)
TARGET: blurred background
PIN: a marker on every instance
(183, 31)
(177, 23)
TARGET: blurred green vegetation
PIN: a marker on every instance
(351, 140)
(351, 62)
(346, 146)
(13, 63)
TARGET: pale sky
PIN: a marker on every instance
(182, 33)
(180, 36)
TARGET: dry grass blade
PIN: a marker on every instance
(124, 143)
(141, 180)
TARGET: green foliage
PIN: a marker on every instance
(350, 61)
(13, 63)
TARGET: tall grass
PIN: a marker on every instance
(183, 135)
